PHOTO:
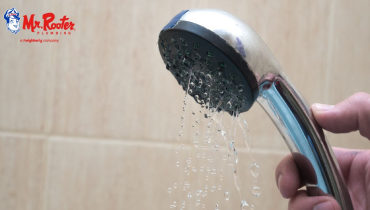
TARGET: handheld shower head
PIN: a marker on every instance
(217, 70)
(229, 67)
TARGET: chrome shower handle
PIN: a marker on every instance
(304, 137)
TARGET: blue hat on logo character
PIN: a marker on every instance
(12, 20)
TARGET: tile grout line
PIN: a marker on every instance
(146, 143)
(330, 51)
(48, 122)
(47, 167)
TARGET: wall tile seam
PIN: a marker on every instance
(128, 142)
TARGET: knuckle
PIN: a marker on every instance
(366, 155)
(362, 103)
(360, 98)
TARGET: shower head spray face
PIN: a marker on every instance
(208, 67)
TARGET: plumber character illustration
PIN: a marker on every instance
(12, 20)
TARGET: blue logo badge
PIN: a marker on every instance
(12, 20)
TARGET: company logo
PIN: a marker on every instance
(48, 25)
(45, 27)
(11, 17)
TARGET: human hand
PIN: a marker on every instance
(350, 115)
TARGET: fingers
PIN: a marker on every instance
(287, 177)
(288, 180)
(349, 115)
(301, 201)
(345, 159)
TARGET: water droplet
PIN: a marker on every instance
(213, 172)
(213, 188)
(182, 146)
(227, 195)
(194, 169)
(216, 147)
(207, 177)
(219, 187)
(197, 56)
(188, 161)
(192, 85)
(189, 195)
(207, 62)
(224, 157)
(243, 204)
(229, 105)
(183, 42)
(174, 43)
(222, 65)
(168, 66)
(193, 113)
(256, 191)
(187, 184)
(197, 203)
(240, 89)
(208, 78)
(176, 150)
(177, 164)
(169, 190)
(174, 185)
(204, 194)
(203, 206)
(198, 192)
(187, 52)
(254, 169)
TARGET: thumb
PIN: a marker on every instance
(302, 201)
(349, 115)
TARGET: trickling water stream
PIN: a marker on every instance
(217, 128)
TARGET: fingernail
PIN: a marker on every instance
(279, 179)
(327, 205)
(323, 107)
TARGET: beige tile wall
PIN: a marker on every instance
(91, 122)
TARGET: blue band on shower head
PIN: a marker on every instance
(174, 20)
